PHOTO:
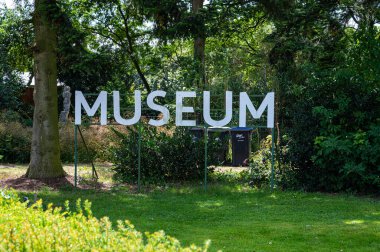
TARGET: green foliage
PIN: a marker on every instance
(15, 141)
(320, 57)
(170, 155)
(349, 161)
(78, 67)
(260, 164)
(13, 58)
(25, 228)
(328, 79)
(16, 38)
(10, 91)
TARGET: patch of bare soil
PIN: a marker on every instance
(26, 184)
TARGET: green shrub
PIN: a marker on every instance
(357, 154)
(260, 163)
(170, 155)
(25, 228)
(15, 142)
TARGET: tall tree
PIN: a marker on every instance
(115, 24)
(45, 153)
(199, 45)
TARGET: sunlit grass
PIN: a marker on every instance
(7, 171)
(244, 220)
(84, 171)
(236, 217)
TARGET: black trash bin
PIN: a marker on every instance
(241, 145)
(219, 136)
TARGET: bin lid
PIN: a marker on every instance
(218, 129)
(241, 129)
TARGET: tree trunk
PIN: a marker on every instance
(45, 154)
(199, 48)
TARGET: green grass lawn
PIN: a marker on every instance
(237, 218)
(244, 220)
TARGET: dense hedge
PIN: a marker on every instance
(15, 142)
(173, 154)
(329, 99)
(24, 228)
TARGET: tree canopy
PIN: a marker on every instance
(322, 59)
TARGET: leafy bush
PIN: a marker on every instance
(25, 228)
(261, 167)
(357, 154)
(330, 107)
(170, 155)
(260, 164)
(15, 142)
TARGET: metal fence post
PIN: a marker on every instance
(272, 163)
(75, 155)
(139, 158)
(206, 146)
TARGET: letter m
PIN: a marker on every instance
(101, 102)
(245, 102)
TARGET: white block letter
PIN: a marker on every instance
(116, 109)
(246, 102)
(162, 109)
(181, 109)
(81, 101)
(206, 110)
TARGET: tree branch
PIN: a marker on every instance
(132, 53)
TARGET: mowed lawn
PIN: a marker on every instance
(244, 219)
(237, 218)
